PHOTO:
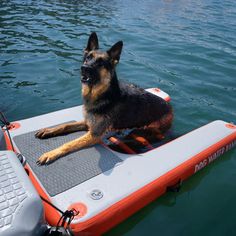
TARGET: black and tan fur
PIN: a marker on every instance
(109, 104)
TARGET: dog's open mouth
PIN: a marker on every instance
(85, 79)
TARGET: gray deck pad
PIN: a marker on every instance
(68, 171)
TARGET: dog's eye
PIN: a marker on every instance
(88, 58)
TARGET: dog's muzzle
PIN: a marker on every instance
(86, 74)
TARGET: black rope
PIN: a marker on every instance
(6, 123)
(4, 120)
(49, 203)
(68, 214)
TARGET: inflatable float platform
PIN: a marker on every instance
(105, 183)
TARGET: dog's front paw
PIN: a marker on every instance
(47, 158)
(44, 133)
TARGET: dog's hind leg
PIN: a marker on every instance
(62, 129)
(86, 140)
(161, 126)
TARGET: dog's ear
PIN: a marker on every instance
(115, 51)
(92, 43)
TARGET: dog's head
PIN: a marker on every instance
(98, 67)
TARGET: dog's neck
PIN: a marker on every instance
(106, 99)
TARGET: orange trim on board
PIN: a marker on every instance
(142, 140)
(167, 99)
(14, 126)
(230, 126)
(80, 207)
(8, 142)
(124, 208)
(157, 90)
(52, 216)
(122, 145)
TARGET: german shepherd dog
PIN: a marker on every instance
(109, 104)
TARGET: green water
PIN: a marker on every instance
(187, 48)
